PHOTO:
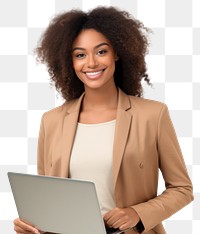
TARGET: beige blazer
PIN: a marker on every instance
(145, 141)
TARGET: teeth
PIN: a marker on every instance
(93, 73)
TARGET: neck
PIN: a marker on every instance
(99, 100)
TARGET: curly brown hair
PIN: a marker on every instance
(127, 35)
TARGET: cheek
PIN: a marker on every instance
(77, 70)
(77, 66)
(112, 65)
(74, 65)
(78, 74)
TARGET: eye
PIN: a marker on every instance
(102, 52)
(79, 56)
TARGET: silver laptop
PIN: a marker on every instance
(58, 205)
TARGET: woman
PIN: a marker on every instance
(105, 131)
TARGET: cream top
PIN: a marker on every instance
(91, 159)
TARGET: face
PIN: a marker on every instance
(93, 59)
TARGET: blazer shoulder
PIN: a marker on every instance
(58, 113)
(147, 106)
(140, 102)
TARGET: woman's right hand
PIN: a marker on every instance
(21, 227)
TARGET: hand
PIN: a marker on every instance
(121, 218)
(23, 228)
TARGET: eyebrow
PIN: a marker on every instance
(96, 47)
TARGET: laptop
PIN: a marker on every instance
(58, 205)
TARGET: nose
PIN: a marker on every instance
(92, 61)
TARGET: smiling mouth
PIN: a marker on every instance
(94, 74)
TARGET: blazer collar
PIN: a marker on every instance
(69, 131)
(123, 102)
(123, 121)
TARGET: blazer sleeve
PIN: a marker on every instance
(178, 192)
(41, 152)
(40, 149)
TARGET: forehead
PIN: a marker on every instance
(89, 38)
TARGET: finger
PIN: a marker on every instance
(22, 232)
(122, 223)
(110, 214)
(22, 227)
(107, 215)
(125, 225)
(114, 217)
(120, 219)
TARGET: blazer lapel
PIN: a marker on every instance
(122, 128)
(123, 122)
(69, 130)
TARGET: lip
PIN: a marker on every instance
(94, 74)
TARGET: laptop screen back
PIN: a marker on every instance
(57, 205)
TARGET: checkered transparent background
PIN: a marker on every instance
(25, 93)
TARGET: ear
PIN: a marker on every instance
(116, 57)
